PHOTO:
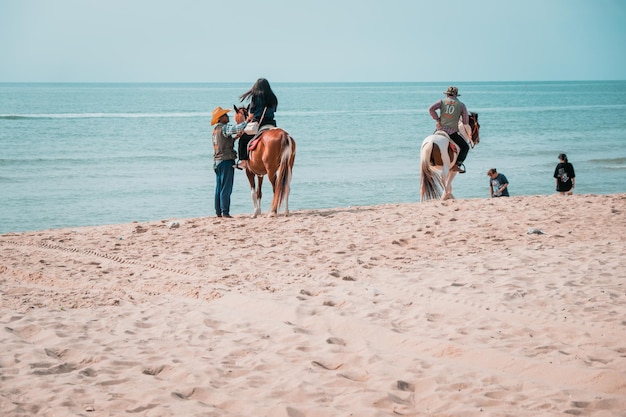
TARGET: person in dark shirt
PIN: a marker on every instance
(498, 184)
(564, 176)
(263, 105)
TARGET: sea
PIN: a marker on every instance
(76, 155)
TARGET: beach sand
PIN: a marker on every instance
(486, 307)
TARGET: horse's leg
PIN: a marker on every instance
(446, 174)
(452, 176)
(269, 161)
(287, 190)
(256, 179)
(274, 206)
(447, 195)
(254, 193)
(259, 194)
(453, 157)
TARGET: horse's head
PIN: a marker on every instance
(241, 113)
(473, 122)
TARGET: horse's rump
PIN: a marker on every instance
(273, 156)
(430, 156)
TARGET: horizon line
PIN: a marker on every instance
(309, 82)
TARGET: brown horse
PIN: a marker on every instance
(435, 174)
(273, 154)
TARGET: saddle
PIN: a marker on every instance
(255, 140)
(453, 146)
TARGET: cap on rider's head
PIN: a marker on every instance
(452, 91)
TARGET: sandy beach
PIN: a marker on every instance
(485, 307)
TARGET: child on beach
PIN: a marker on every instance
(498, 184)
(564, 176)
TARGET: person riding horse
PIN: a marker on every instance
(438, 159)
(451, 109)
(263, 104)
(273, 155)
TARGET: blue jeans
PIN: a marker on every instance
(224, 177)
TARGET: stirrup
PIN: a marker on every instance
(457, 168)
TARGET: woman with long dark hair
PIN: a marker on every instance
(263, 105)
(263, 102)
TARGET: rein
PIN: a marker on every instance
(262, 115)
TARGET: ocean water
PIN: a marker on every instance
(90, 154)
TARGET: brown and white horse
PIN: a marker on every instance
(438, 155)
(273, 154)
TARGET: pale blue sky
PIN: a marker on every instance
(311, 41)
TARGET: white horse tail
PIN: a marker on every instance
(283, 175)
(430, 183)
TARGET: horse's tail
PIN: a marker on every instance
(430, 183)
(283, 175)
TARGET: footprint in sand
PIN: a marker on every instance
(328, 367)
(335, 341)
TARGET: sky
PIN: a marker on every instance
(311, 41)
